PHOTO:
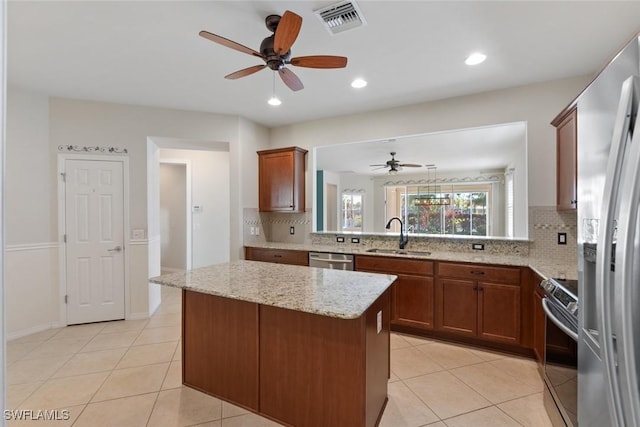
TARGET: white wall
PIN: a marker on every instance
(36, 126)
(210, 189)
(536, 104)
(173, 216)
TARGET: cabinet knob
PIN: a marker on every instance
(477, 273)
(573, 202)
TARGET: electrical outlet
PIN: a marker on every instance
(355, 240)
(257, 231)
(562, 238)
(477, 246)
(292, 230)
(340, 239)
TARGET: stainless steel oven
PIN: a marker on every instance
(560, 304)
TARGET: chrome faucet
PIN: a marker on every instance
(403, 239)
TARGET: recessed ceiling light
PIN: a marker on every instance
(274, 101)
(358, 83)
(475, 58)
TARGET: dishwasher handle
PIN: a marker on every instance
(337, 261)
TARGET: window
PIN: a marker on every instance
(463, 211)
(351, 212)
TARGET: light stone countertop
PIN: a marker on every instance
(544, 268)
(333, 293)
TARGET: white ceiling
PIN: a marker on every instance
(149, 53)
(493, 147)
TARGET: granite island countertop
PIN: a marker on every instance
(333, 293)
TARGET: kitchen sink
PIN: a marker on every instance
(398, 252)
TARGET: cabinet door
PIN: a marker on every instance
(413, 301)
(276, 182)
(499, 312)
(566, 169)
(457, 306)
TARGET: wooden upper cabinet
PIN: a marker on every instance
(281, 180)
(566, 156)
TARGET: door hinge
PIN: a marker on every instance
(66, 299)
(64, 176)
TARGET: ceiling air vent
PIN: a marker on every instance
(341, 16)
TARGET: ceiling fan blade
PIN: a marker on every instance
(287, 32)
(290, 79)
(229, 43)
(409, 165)
(378, 165)
(245, 72)
(381, 167)
(319, 61)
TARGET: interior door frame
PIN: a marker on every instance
(62, 253)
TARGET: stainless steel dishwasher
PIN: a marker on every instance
(335, 261)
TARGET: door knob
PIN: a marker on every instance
(116, 249)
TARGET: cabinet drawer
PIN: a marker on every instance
(394, 265)
(483, 273)
(280, 256)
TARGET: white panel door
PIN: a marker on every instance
(94, 225)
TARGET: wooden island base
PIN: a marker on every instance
(297, 368)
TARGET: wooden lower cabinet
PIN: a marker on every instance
(476, 308)
(413, 301)
(411, 294)
(279, 256)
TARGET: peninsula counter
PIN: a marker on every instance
(300, 345)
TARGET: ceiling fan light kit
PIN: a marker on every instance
(275, 51)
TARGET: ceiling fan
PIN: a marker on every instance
(395, 165)
(275, 51)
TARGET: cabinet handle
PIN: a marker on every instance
(573, 202)
(477, 273)
(475, 288)
(277, 256)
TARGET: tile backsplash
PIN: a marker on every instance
(276, 227)
(544, 225)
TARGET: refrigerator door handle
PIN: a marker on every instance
(604, 290)
(627, 277)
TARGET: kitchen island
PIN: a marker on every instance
(300, 345)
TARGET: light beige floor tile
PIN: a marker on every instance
(17, 350)
(217, 423)
(168, 319)
(414, 340)
(124, 326)
(528, 411)
(398, 341)
(111, 341)
(487, 355)
(493, 383)
(91, 362)
(131, 381)
(248, 420)
(32, 370)
(38, 336)
(17, 393)
(448, 355)
(131, 411)
(411, 362)
(158, 335)
(59, 417)
(147, 355)
(393, 377)
(169, 308)
(173, 379)
(77, 331)
(404, 409)
(184, 407)
(487, 417)
(229, 410)
(57, 347)
(437, 424)
(177, 355)
(446, 395)
(526, 370)
(65, 392)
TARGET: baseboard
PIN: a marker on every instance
(32, 330)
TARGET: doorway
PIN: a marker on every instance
(175, 217)
(332, 206)
(94, 239)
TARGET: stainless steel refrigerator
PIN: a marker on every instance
(609, 245)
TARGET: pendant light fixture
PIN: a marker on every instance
(274, 100)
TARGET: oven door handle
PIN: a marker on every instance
(556, 321)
